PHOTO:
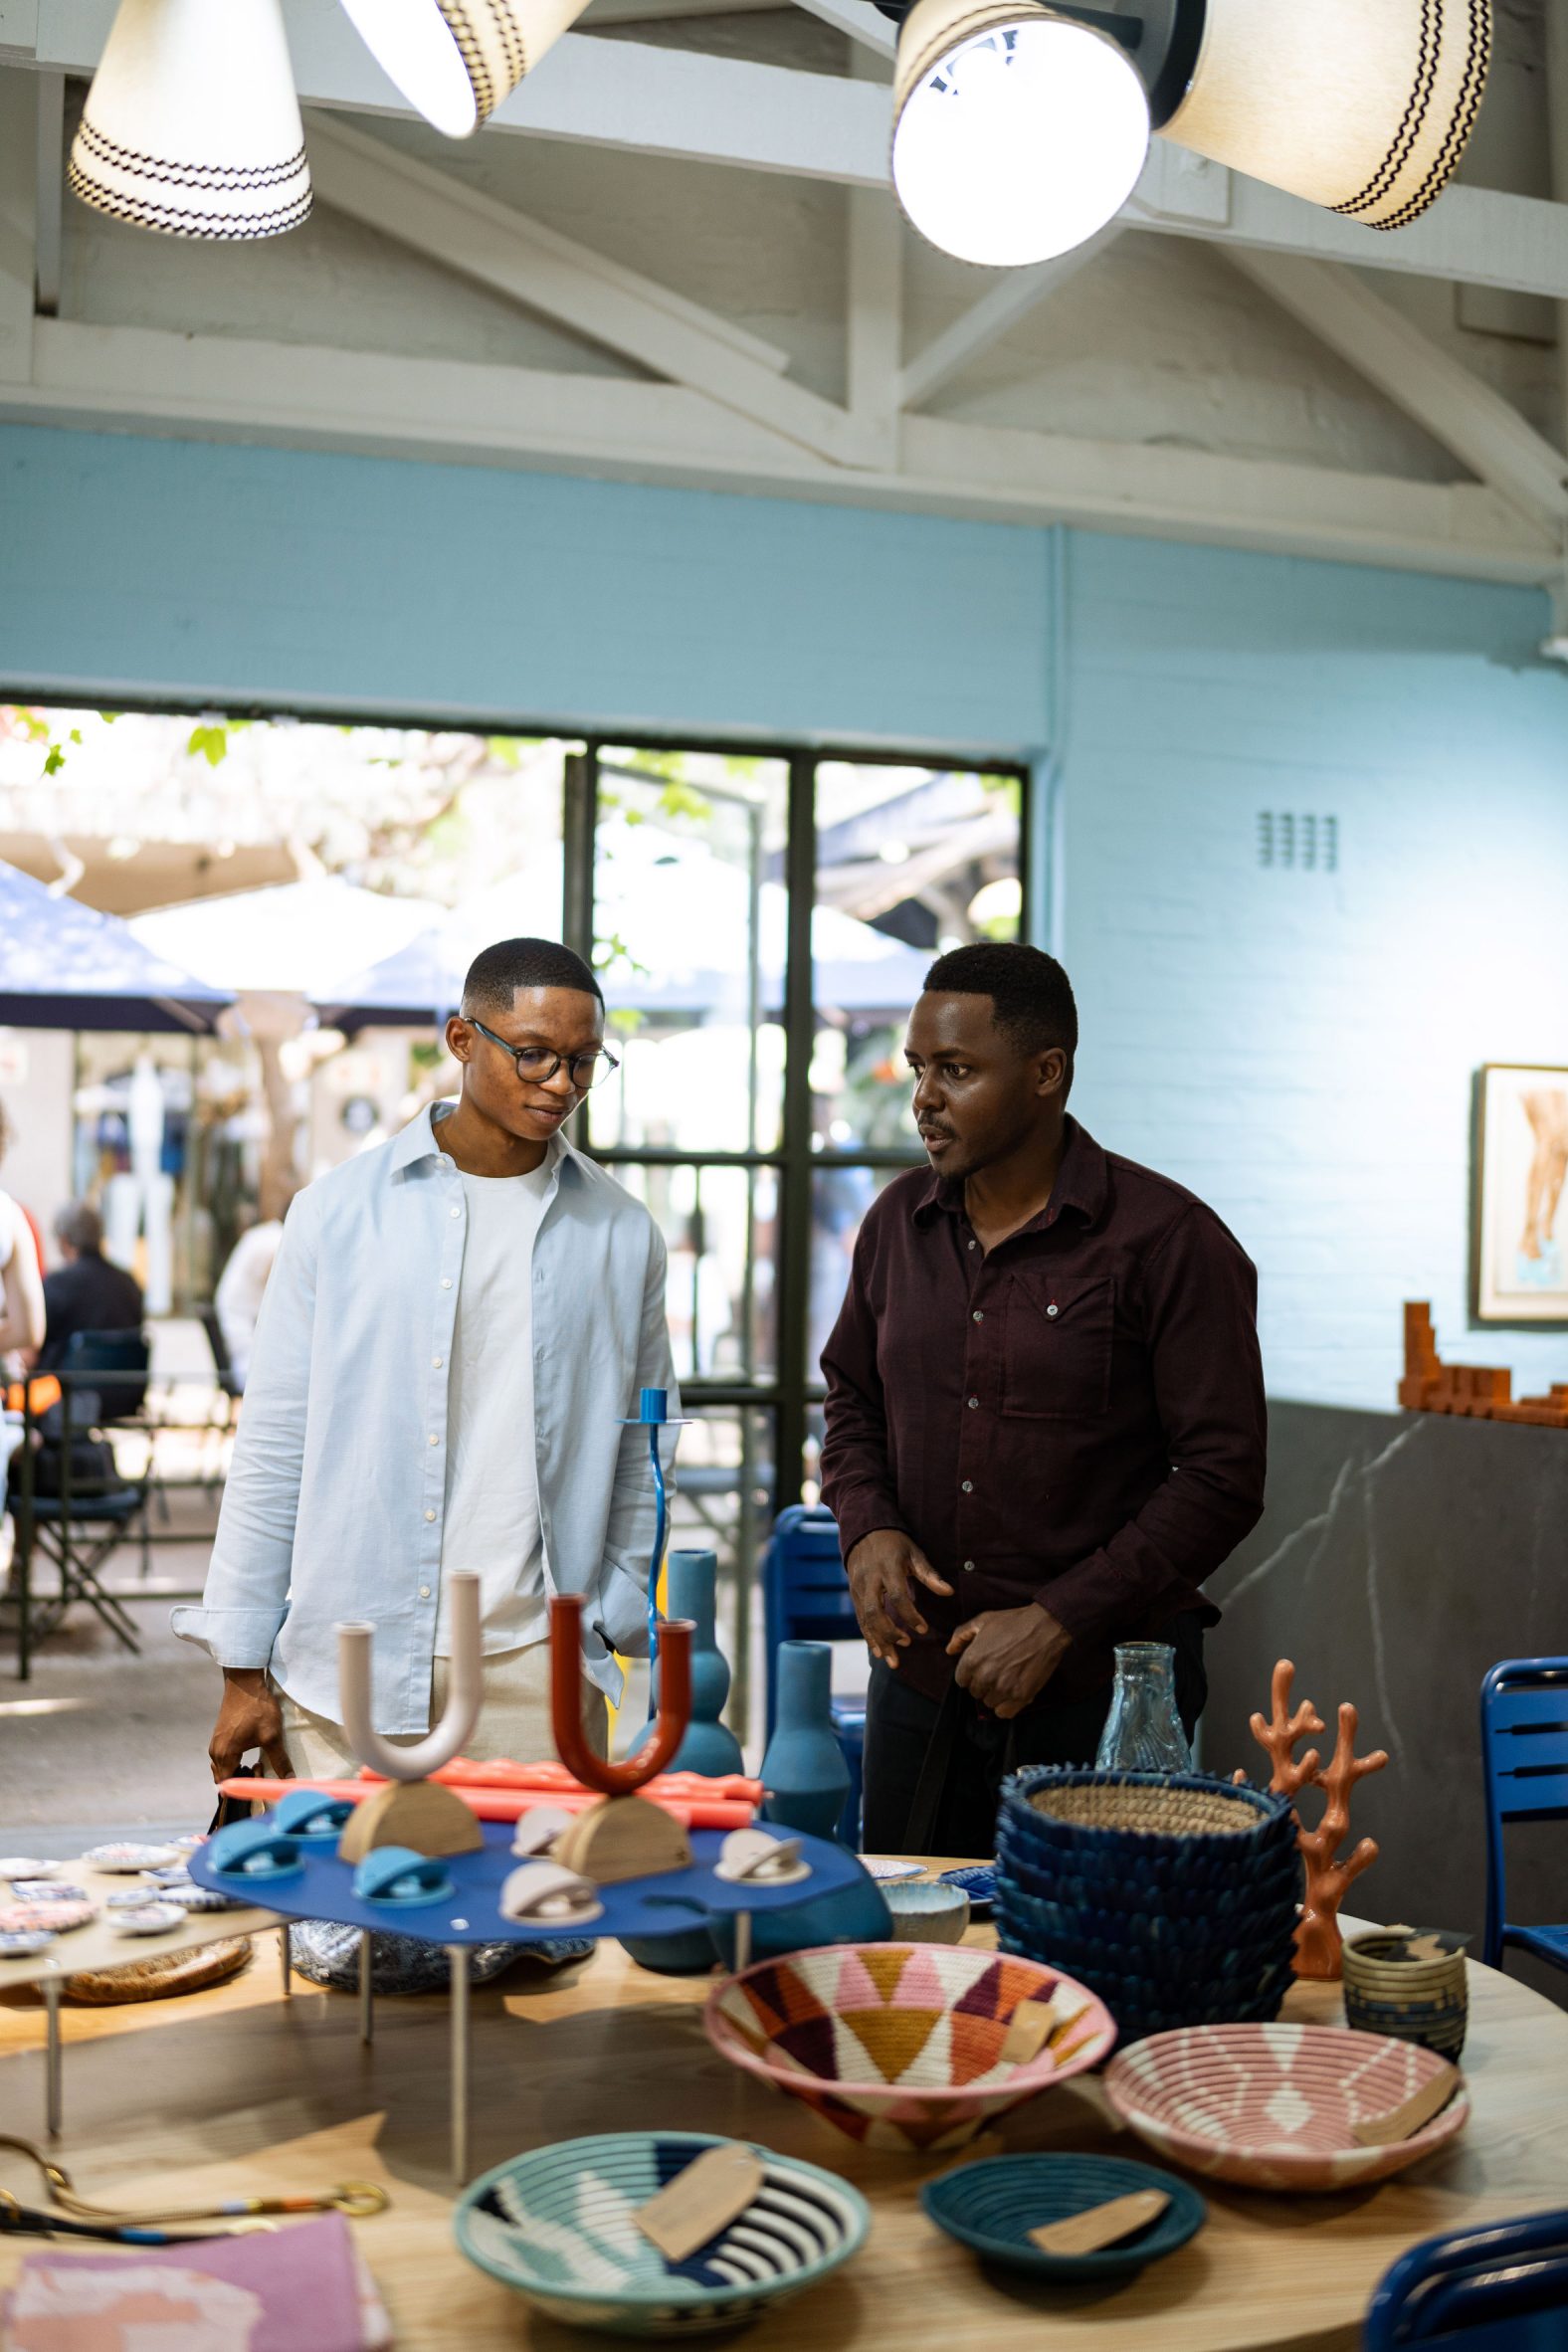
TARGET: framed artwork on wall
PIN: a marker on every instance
(1519, 1218)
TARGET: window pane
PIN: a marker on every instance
(910, 861)
(690, 938)
(716, 1221)
(840, 1198)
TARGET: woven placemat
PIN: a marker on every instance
(1166, 1812)
(157, 1977)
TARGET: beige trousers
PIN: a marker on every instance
(514, 1723)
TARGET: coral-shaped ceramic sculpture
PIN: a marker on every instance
(1318, 1951)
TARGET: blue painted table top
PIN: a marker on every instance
(322, 1889)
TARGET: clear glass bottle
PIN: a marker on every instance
(1143, 1731)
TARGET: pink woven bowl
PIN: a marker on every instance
(900, 2045)
(1273, 2107)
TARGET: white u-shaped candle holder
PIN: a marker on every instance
(465, 1692)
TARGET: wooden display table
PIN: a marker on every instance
(237, 2090)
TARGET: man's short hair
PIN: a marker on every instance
(494, 977)
(80, 1226)
(1030, 992)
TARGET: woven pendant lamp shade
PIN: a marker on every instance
(1361, 106)
(455, 59)
(192, 125)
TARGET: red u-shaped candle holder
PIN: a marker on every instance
(670, 1726)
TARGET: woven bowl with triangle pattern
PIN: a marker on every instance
(900, 2045)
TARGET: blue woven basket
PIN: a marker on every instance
(991, 2206)
(558, 2225)
(1176, 1898)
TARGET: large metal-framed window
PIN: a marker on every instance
(818, 882)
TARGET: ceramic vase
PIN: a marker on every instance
(1143, 1731)
(804, 1770)
(691, 1590)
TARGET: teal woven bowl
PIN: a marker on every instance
(992, 2206)
(558, 2225)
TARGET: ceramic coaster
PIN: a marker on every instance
(887, 1871)
(41, 1918)
(130, 1857)
(46, 1890)
(21, 1947)
(978, 1882)
(198, 1898)
(24, 1865)
(150, 1920)
(129, 1898)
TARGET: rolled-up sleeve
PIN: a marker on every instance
(1199, 1294)
(247, 1589)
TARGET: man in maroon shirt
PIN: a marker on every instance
(1044, 1418)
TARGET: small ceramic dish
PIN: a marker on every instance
(26, 1865)
(978, 1880)
(900, 2045)
(44, 1918)
(558, 2225)
(128, 1856)
(992, 2206)
(48, 1890)
(1274, 2106)
(22, 1946)
(928, 1913)
(150, 1920)
(885, 1869)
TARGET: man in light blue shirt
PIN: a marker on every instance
(457, 1325)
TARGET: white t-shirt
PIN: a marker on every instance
(492, 1519)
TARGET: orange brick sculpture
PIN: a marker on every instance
(1477, 1392)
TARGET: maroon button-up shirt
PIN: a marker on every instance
(1075, 1419)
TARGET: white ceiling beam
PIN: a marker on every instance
(145, 379)
(469, 233)
(50, 200)
(874, 326)
(860, 20)
(18, 223)
(1010, 298)
(672, 102)
(1471, 419)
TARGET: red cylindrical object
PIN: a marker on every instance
(566, 1717)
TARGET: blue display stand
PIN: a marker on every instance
(322, 1889)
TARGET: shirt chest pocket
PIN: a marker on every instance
(1057, 1348)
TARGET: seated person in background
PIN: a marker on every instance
(240, 1287)
(88, 1293)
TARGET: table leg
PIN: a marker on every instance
(742, 1942)
(52, 2068)
(366, 2006)
(283, 1954)
(458, 1954)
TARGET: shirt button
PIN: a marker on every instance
(430, 1514)
(424, 1592)
(969, 1487)
(453, 1212)
(974, 1404)
(435, 1363)
(446, 1281)
(969, 1567)
(979, 1315)
(1052, 1309)
(971, 1245)
(435, 1440)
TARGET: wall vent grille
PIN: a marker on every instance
(1297, 843)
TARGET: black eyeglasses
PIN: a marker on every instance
(537, 1065)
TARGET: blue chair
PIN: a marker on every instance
(1501, 2287)
(805, 1598)
(1524, 1755)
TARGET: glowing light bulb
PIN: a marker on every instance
(1018, 143)
(415, 47)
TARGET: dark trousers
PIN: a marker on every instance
(934, 1769)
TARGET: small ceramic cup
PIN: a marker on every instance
(923, 1914)
(1424, 2001)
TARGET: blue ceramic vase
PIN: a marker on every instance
(804, 1770)
(692, 1591)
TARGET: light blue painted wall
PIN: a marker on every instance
(1299, 1048)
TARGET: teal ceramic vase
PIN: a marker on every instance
(804, 1770)
(692, 1591)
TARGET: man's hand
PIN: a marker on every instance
(1006, 1657)
(884, 1569)
(250, 1717)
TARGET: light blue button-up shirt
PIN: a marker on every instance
(337, 1493)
